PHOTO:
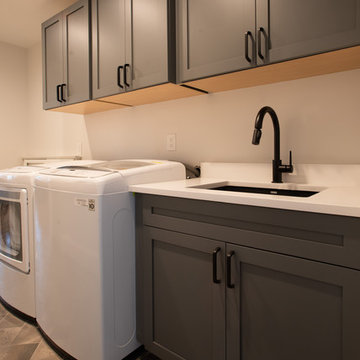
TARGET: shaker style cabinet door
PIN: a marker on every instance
(66, 57)
(298, 28)
(150, 52)
(281, 307)
(108, 51)
(52, 53)
(77, 53)
(130, 45)
(184, 296)
(214, 37)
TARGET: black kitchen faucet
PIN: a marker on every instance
(278, 168)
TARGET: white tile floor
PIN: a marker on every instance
(20, 340)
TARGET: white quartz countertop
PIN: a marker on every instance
(338, 186)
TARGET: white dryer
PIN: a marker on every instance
(85, 255)
(17, 275)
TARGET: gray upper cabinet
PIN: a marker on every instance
(221, 36)
(53, 70)
(66, 58)
(291, 29)
(130, 45)
(212, 37)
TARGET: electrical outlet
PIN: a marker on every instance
(171, 142)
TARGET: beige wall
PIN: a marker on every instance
(50, 133)
(26, 129)
(13, 103)
(319, 121)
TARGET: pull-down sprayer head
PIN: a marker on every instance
(256, 136)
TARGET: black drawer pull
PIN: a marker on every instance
(119, 76)
(125, 74)
(261, 30)
(58, 93)
(247, 57)
(214, 259)
(62, 92)
(229, 284)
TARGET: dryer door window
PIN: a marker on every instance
(13, 228)
(10, 229)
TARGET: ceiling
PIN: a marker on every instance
(20, 20)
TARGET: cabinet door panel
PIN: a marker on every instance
(305, 27)
(211, 36)
(185, 309)
(149, 43)
(52, 60)
(108, 40)
(77, 63)
(284, 308)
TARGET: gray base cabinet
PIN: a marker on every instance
(66, 57)
(185, 308)
(221, 281)
(282, 307)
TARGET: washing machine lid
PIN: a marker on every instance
(23, 169)
(123, 164)
(77, 172)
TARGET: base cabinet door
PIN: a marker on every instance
(184, 296)
(297, 28)
(281, 307)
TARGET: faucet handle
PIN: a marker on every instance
(290, 158)
(287, 168)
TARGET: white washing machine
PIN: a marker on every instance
(17, 275)
(85, 255)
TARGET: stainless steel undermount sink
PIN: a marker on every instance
(283, 191)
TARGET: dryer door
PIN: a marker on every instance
(14, 237)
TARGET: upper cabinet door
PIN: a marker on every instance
(52, 50)
(108, 40)
(298, 28)
(76, 54)
(212, 36)
(149, 40)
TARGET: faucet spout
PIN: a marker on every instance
(278, 168)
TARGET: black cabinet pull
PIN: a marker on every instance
(62, 92)
(247, 34)
(119, 76)
(58, 93)
(214, 259)
(125, 74)
(261, 30)
(229, 284)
